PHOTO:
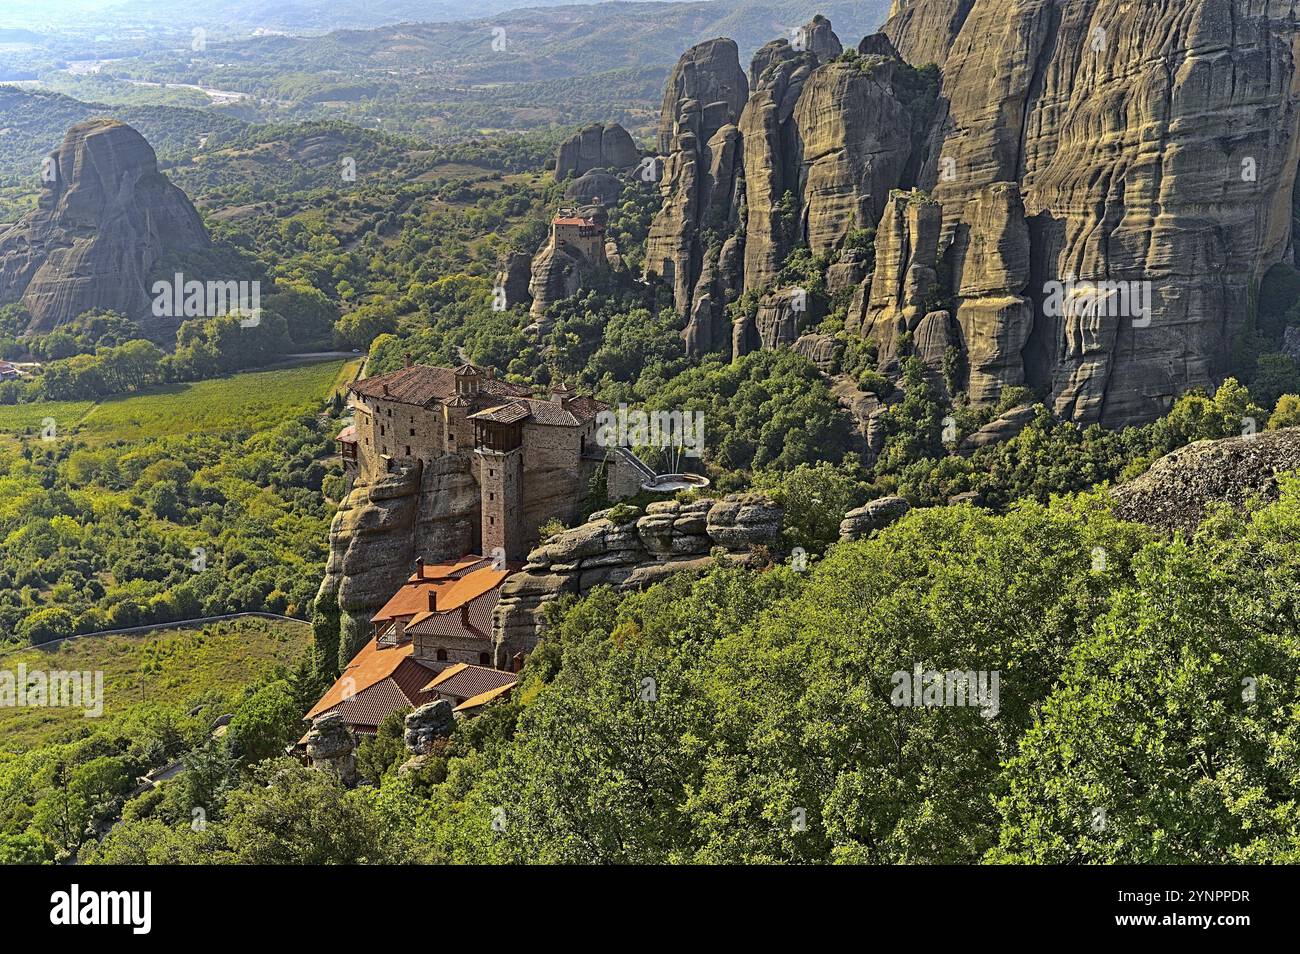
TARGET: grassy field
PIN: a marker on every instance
(171, 666)
(205, 406)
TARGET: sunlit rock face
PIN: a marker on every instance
(104, 219)
(1153, 145)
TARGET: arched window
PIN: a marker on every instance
(484, 659)
(442, 655)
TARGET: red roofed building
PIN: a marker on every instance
(531, 456)
(582, 231)
(440, 619)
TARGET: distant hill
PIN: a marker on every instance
(32, 123)
(527, 69)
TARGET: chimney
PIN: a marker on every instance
(561, 393)
(385, 390)
(517, 662)
(407, 357)
(433, 601)
(419, 567)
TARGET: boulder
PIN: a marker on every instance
(431, 721)
(332, 747)
(870, 517)
(1179, 489)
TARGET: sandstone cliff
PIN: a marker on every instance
(383, 525)
(607, 146)
(637, 551)
(105, 217)
(1150, 142)
(1092, 193)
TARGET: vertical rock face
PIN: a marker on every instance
(513, 278)
(701, 175)
(769, 161)
(383, 524)
(597, 146)
(708, 73)
(905, 280)
(104, 219)
(1152, 143)
(853, 142)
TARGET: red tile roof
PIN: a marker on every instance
(451, 585)
(422, 385)
(466, 681)
(378, 680)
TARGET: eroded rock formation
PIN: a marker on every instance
(332, 747)
(383, 525)
(1151, 143)
(1178, 490)
(104, 220)
(1147, 151)
(598, 146)
(669, 537)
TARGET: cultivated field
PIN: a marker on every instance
(218, 405)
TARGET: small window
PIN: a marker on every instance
(412, 432)
(381, 430)
(492, 496)
(408, 450)
(442, 655)
(492, 521)
(484, 659)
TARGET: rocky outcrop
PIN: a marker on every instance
(332, 747)
(1181, 487)
(104, 220)
(778, 317)
(819, 39)
(848, 271)
(557, 273)
(875, 515)
(1151, 143)
(709, 74)
(701, 181)
(905, 281)
(1002, 428)
(824, 351)
(426, 724)
(607, 146)
(853, 142)
(513, 278)
(383, 524)
(642, 549)
(592, 187)
(765, 127)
